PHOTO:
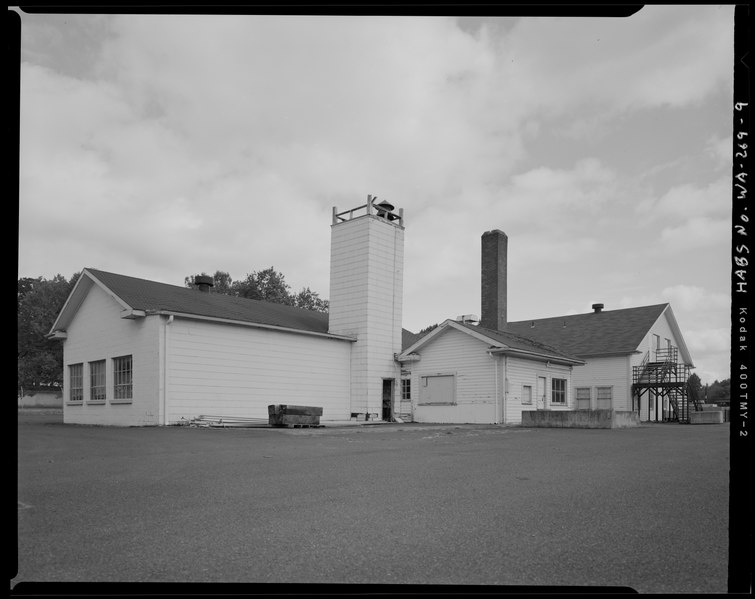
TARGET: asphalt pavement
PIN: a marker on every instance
(400, 504)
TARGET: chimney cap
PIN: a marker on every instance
(597, 307)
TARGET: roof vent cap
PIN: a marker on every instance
(204, 282)
(468, 318)
(597, 308)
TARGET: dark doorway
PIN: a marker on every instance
(388, 400)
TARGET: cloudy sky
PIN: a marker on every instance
(164, 146)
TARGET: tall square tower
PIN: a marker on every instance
(366, 293)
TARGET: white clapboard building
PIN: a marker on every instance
(139, 352)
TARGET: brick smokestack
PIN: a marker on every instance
(494, 255)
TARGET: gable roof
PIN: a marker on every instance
(612, 332)
(505, 342)
(150, 297)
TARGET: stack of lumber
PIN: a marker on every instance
(228, 421)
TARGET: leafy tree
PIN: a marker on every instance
(310, 300)
(39, 301)
(719, 391)
(267, 285)
(222, 282)
(426, 330)
(695, 387)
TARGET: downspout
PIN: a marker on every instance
(165, 372)
(496, 394)
(505, 388)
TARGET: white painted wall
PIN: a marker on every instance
(460, 354)
(223, 370)
(366, 289)
(613, 371)
(521, 372)
(98, 332)
(663, 329)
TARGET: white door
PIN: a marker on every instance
(541, 393)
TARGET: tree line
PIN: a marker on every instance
(267, 285)
(40, 300)
(715, 392)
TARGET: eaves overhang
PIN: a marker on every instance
(404, 358)
(540, 357)
(244, 323)
(616, 354)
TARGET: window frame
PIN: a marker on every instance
(76, 391)
(578, 399)
(119, 372)
(524, 395)
(598, 398)
(97, 381)
(558, 392)
(406, 388)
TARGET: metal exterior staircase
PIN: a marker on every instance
(665, 377)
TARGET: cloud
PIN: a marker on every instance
(692, 298)
(161, 146)
(660, 56)
(697, 233)
(690, 200)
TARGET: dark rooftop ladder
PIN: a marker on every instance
(666, 377)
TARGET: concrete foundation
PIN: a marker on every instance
(707, 417)
(580, 419)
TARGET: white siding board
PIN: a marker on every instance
(611, 371)
(521, 372)
(98, 332)
(454, 352)
(366, 302)
(238, 371)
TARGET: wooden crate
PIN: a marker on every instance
(288, 415)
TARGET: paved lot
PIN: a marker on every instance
(644, 508)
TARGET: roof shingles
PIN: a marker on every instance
(611, 332)
(141, 294)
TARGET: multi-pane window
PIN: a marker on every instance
(122, 378)
(76, 382)
(604, 397)
(583, 398)
(527, 394)
(558, 391)
(97, 380)
(406, 389)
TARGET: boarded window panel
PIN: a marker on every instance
(583, 398)
(604, 395)
(527, 395)
(438, 390)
